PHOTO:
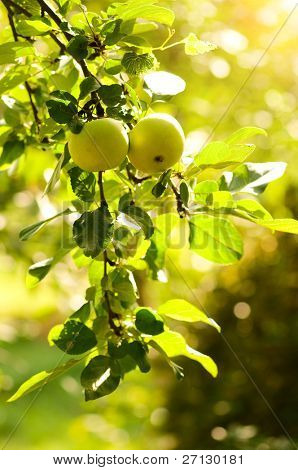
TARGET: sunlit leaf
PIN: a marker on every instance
(173, 344)
(243, 134)
(28, 232)
(215, 238)
(252, 177)
(194, 46)
(181, 310)
(42, 379)
(10, 51)
(164, 83)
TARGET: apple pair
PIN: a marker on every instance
(155, 144)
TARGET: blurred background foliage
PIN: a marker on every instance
(255, 301)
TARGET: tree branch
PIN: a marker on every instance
(112, 315)
(16, 38)
(180, 206)
(134, 178)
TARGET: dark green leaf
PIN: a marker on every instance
(27, 232)
(162, 184)
(12, 149)
(111, 95)
(136, 64)
(78, 47)
(64, 96)
(149, 322)
(82, 183)
(100, 377)
(83, 313)
(139, 353)
(184, 193)
(61, 112)
(141, 218)
(73, 337)
(88, 85)
(93, 231)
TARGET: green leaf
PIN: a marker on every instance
(162, 184)
(38, 271)
(60, 111)
(93, 231)
(139, 353)
(149, 322)
(220, 154)
(122, 286)
(206, 187)
(63, 95)
(220, 200)
(252, 177)
(64, 158)
(12, 79)
(136, 64)
(194, 46)
(111, 95)
(42, 379)
(144, 27)
(113, 66)
(184, 193)
(12, 149)
(33, 27)
(88, 85)
(10, 51)
(145, 9)
(82, 183)
(241, 135)
(141, 218)
(215, 238)
(28, 232)
(253, 209)
(73, 337)
(83, 313)
(100, 377)
(173, 344)
(181, 310)
(281, 225)
(78, 47)
(81, 20)
(164, 83)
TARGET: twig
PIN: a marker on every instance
(25, 12)
(112, 315)
(134, 178)
(180, 206)
(16, 38)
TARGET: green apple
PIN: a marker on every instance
(101, 145)
(156, 143)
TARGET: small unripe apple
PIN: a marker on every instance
(156, 143)
(101, 145)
